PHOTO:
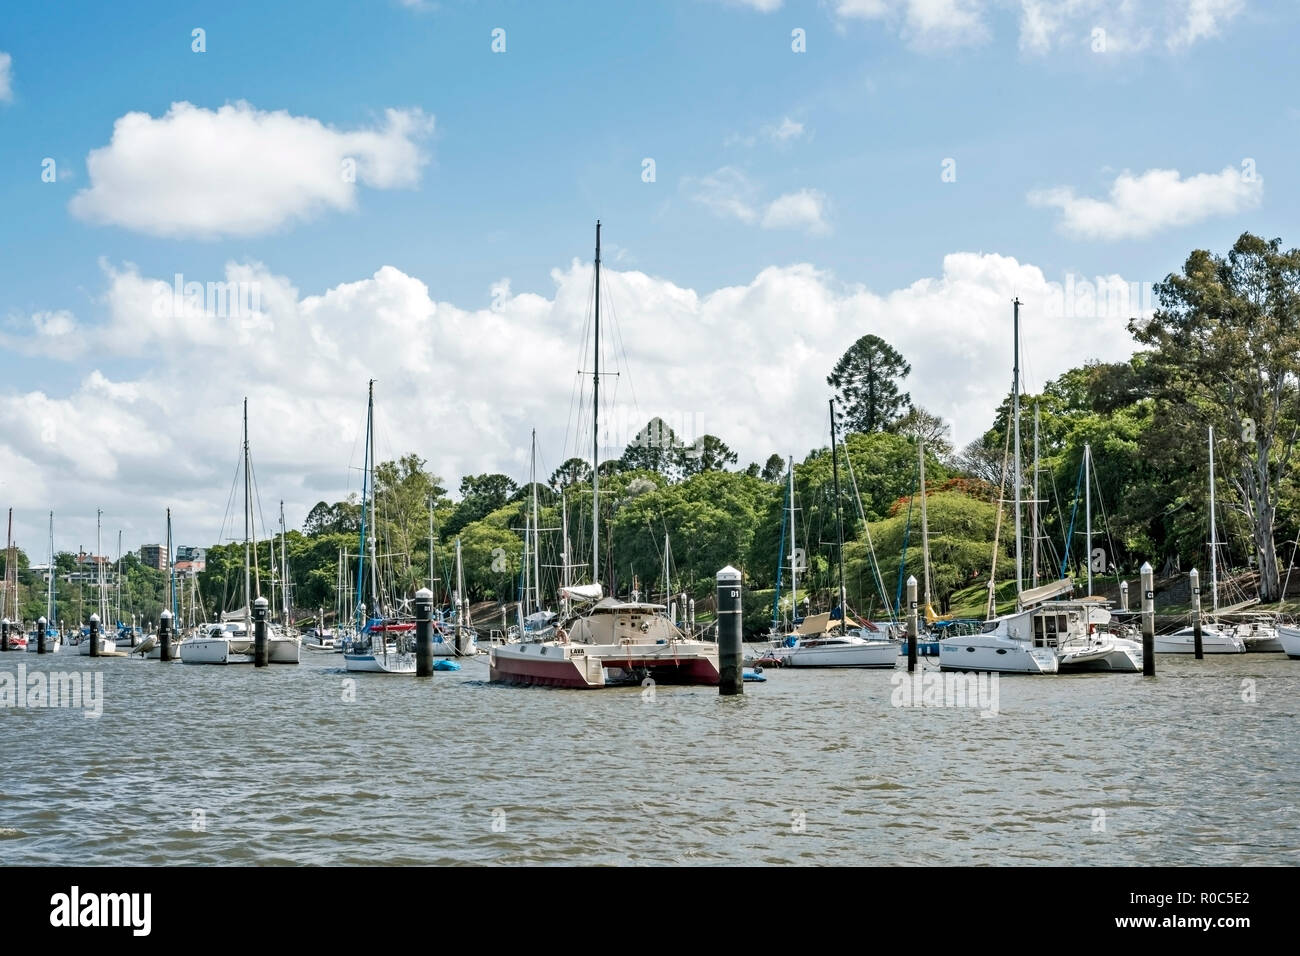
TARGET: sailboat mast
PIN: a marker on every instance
(925, 524)
(1087, 512)
(99, 567)
(668, 587)
(431, 578)
(460, 584)
(284, 568)
(537, 567)
(1015, 406)
(49, 585)
(564, 558)
(248, 532)
(1033, 515)
(1214, 537)
(374, 557)
(9, 566)
(119, 575)
(171, 571)
(839, 521)
(794, 554)
(595, 432)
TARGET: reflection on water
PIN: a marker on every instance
(311, 765)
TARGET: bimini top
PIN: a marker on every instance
(1046, 592)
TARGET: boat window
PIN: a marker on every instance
(989, 627)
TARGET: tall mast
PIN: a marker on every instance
(49, 585)
(430, 544)
(1087, 512)
(370, 438)
(460, 584)
(171, 571)
(9, 566)
(564, 558)
(595, 432)
(839, 523)
(248, 531)
(794, 554)
(537, 567)
(119, 575)
(1015, 406)
(668, 588)
(284, 568)
(925, 524)
(1033, 515)
(1214, 538)
(99, 567)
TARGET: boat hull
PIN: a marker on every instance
(1290, 640)
(1213, 641)
(869, 654)
(583, 667)
(996, 654)
(370, 662)
(106, 646)
(216, 650)
(283, 650)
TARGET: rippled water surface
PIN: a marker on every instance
(193, 764)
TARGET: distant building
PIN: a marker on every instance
(153, 556)
(187, 569)
(186, 552)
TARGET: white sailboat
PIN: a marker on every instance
(107, 644)
(614, 641)
(382, 645)
(232, 639)
(1215, 637)
(53, 636)
(841, 642)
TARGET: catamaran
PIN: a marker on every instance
(613, 641)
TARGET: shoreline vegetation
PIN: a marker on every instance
(1221, 350)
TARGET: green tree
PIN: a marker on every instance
(655, 447)
(866, 380)
(774, 469)
(708, 453)
(1225, 351)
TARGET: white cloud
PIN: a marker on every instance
(6, 77)
(926, 24)
(762, 6)
(240, 171)
(727, 192)
(784, 131)
(1047, 25)
(1157, 199)
(730, 194)
(1202, 19)
(158, 415)
(805, 209)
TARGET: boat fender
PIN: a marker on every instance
(562, 636)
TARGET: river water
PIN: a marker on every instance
(310, 765)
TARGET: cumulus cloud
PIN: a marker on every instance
(929, 24)
(155, 403)
(805, 209)
(1141, 205)
(240, 171)
(1202, 19)
(6, 77)
(730, 194)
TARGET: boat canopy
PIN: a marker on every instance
(583, 592)
(815, 624)
(1046, 592)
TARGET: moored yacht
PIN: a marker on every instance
(1215, 639)
(615, 642)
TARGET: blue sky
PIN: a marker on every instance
(767, 162)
